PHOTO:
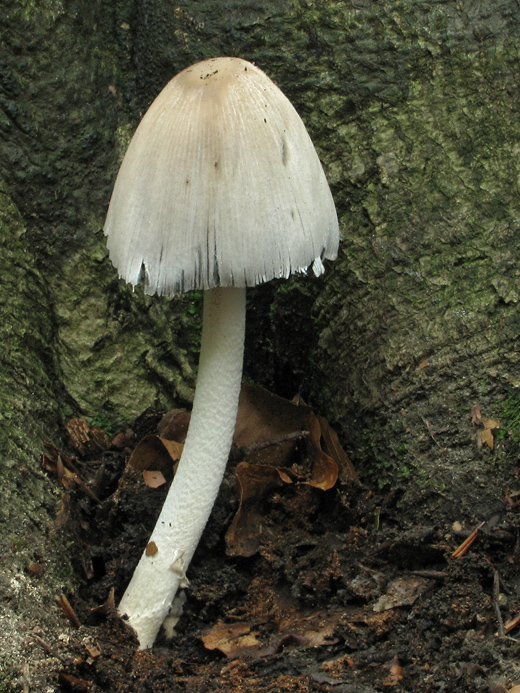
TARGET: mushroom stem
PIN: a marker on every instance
(157, 578)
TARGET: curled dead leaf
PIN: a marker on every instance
(174, 425)
(156, 454)
(346, 471)
(107, 606)
(254, 481)
(324, 468)
(263, 416)
(283, 443)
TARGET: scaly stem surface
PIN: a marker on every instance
(187, 507)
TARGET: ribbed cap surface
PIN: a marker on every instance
(220, 186)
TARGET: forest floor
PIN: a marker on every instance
(304, 580)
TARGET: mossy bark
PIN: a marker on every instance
(424, 305)
(413, 107)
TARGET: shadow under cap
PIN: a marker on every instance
(220, 186)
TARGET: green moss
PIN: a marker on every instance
(104, 422)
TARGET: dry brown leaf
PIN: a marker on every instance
(492, 424)
(107, 606)
(486, 427)
(313, 630)
(486, 434)
(231, 639)
(174, 425)
(254, 481)
(155, 454)
(288, 627)
(263, 416)
(402, 591)
(153, 479)
(267, 432)
(324, 468)
(333, 447)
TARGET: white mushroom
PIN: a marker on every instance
(221, 188)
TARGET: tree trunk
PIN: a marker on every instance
(413, 108)
(423, 309)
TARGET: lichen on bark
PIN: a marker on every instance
(29, 413)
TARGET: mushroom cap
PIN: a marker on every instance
(220, 186)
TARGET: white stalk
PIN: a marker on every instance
(157, 578)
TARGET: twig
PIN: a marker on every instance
(79, 480)
(513, 623)
(74, 683)
(432, 574)
(463, 548)
(68, 610)
(47, 647)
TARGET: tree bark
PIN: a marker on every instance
(413, 108)
(424, 306)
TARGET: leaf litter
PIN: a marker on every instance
(304, 580)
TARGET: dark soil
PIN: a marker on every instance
(350, 590)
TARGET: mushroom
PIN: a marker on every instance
(220, 188)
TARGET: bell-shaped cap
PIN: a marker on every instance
(220, 186)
